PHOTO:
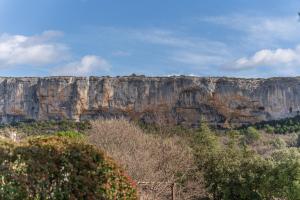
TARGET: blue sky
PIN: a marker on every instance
(242, 38)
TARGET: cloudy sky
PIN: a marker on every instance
(244, 38)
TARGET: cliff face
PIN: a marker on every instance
(173, 100)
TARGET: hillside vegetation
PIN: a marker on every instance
(282, 126)
(251, 163)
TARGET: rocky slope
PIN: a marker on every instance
(175, 100)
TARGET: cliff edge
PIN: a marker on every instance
(174, 100)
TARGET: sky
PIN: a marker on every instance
(237, 38)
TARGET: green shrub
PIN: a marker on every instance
(251, 135)
(286, 172)
(49, 127)
(60, 168)
(234, 137)
(281, 126)
(278, 143)
(70, 134)
(205, 137)
(231, 172)
(269, 129)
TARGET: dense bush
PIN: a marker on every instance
(60, 168)
(233, 172)
(279, 143)
(70, 134)
(269, 129)
(47, 127)
(282, 126)
(284, 179)
(251, 135)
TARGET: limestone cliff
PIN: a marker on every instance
(174, 100)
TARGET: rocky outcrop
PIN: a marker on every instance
(174, 100)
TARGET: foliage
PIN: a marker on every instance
(165, 130)
(205, 138)
(233, 172)
(284, 179)
(269, 129)
(70, 134)
(60, 168)
(279, 143)
(48, 127)
(251, 135)
(282, 126)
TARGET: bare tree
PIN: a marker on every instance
(148, 158)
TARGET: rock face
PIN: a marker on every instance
(173, 100)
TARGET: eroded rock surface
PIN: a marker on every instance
(174, 100)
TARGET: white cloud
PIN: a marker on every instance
(31, 50)
(269, 38)
(88, 65)
(48, 35)
(261, 29)
(43, 50)
(269, 58)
